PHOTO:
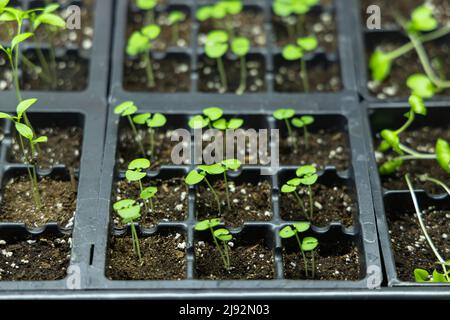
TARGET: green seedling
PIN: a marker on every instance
(26, 133)
(391, 141)
(135, 173)
(149, 7)
(422, 275)
(287, 115)
(127, 109)
(421, 28)
(304, 122)
(296, 52)
(201, 172)
(215, 48)
(240, 46)
(222, 235)
(140, 44)
(212, 117)
(308, 244)
(306, 177)
(130, 212)
(223, 11)
(157, 120)
(175, 18)
(292, 13)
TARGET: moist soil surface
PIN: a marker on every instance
(163, 258)
(71, 74)
(249, 202)
(343, 265)
(58, 199)
(172, 74)
(422, 140)
(210, 78)
(5, 73)
(331, 204)
(169, 204)
(405, 66)
(136, 20)
(249, 262)
(324, 76)
(128, 149)
(411, 250)
(249, 23)
(63, 147)
(327, 147)
(41, 258)
(441, 12)
(320, 24)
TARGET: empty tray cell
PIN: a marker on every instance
(163, 255)
(57, 194)
(250, 253)
(33, 257)
(421, 136)
(410, 247)
(169, 204)
(64, 145)
(337, 257)
(325, 143)
(210, 78)
(333, 199)
(323, 74)
(163, 66)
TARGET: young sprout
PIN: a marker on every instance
(215, 48)
(211, 115)
(140, 44)
(304, 122)
(296, 52)
(222, 10)
(149, 7)
(232, 124)
(27, 133)
(127, 109)
(175, 18)
(285, 115)
(157, 120)
(136, 172)
(308, 244)
(217, 235)
(130, 211)
(391, 140)
(240, 46)
(306, 176)
(421, 28)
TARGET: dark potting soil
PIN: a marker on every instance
(342, 264)
(249, 23)
(41, 258)
(58, 199)
(320, 24)
(424, 141)
(327, 147)
(169, 204)
(411, 250)
(172, 74)
(323, 76)
(441, 12)
(163, 258)
(248, 262)
(63, 147)
(5, 73)
(71, 73)
(331, 204)
(210, 78)
(136, 20)
(249, 202)
(407, 65)
(128, 149)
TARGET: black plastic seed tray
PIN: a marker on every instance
(192, 54)
(388, 202)
(84, 58)
(366, 40)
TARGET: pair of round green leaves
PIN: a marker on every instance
(217, 45)
(308, 243)
(175, 17)
(306, 175)
(220, 10)
(126, 108)
(198, 175)
(221, 234)
(422, 19)
(136, 169)
(285, 8)
(156, 120)
(293, 52)
(199, 122)
(140, 41)
(129, 210)
(285, 114)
